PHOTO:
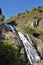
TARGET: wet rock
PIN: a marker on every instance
(38, 45)
(40, 49)
(22, 50)
(41, 63)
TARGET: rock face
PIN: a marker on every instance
(2, 31)
(12, 37)
(5, 34)
(15, 41)
(36, 23)
(38, 45)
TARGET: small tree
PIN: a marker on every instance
(34, 9)
(27, 11)
(2, 17)
(0, 11)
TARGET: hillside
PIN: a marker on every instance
(26, 18)
(28, 22)
(25, 22)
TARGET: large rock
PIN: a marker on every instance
(41, 63)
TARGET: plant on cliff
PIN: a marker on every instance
(2, 17)
(9, 55)
(19, 14)
(34, 9)
(29, 30)
(27, 11)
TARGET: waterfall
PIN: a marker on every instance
(30, 50)
(10, 27)
(28, 45)
(29, 40)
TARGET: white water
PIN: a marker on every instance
(10, 27)
(29, 40)
(30, 50)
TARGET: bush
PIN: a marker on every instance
(19, 14)
(29, 30)
(40, 8)
(9, 55)
(27, 11)
(34, 9)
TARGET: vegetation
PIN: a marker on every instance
(34, 9)
(40, 8)
(9, 55)
(19, 14)
(1, 15)
(27, 11)
(0, 11)
(29, 30)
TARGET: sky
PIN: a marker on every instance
(13, 7)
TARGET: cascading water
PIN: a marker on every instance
(10, 27)
(30, 50)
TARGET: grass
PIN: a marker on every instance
(29, 30)
(23, 13)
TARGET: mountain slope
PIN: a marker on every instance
(24, 22)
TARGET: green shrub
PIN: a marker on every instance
(19, 14)
(34, 9)
(27, 11)
(9, 55)
(29, 30)
(40, 8)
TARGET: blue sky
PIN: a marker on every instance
(13, 7)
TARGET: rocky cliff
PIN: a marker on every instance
(30, 23)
